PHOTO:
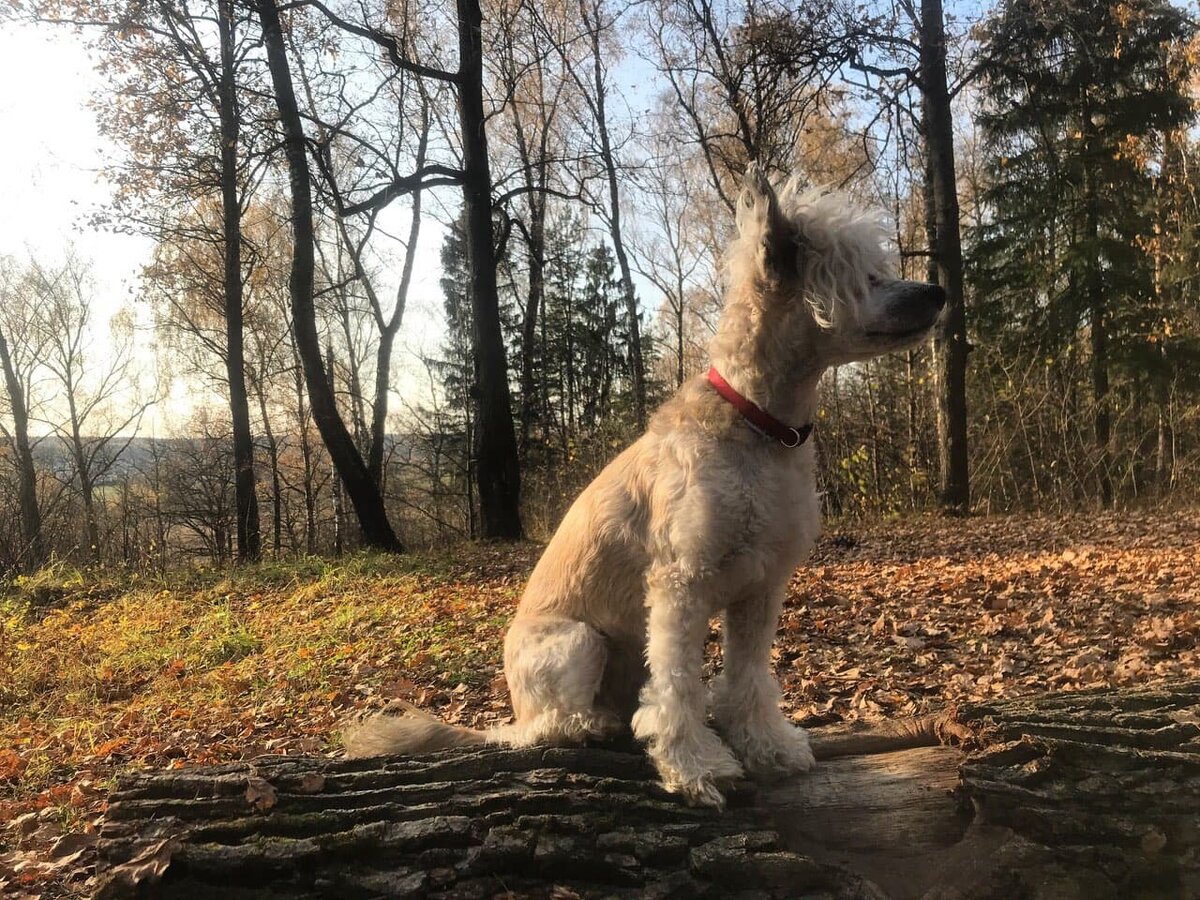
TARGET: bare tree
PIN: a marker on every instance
(15, 324)
(745, 79)
(497, 464)
(668, 253)
(363, 491)
(92, 384)
(950, 345)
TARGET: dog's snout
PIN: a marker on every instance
(919, 301)
(910, 307)
(937, 296)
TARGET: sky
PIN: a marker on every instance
(51, 155)
(51, 181)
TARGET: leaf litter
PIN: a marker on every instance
(891, 619)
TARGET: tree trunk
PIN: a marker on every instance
(364, 492)
(33, 553)
(306, 454)
(497, 467)
(249, 539)
(335, 483)
(388, 331)
(86, 488)
(1088, 794)
(276, 478)
(353, 385)
(950, 347)
(1094, 288)
(591, 13)
(1100, 394)
(379, 410)
(533, 305)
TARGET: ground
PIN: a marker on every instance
(101, 673)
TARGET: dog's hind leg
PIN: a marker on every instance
(553, 668)
(625, 674)
(691, 759)
(746, 695)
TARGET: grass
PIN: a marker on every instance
(104, 670)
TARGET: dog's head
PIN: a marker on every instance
(817, 252)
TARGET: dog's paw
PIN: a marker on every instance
(775, 752)
(702, 791)
(696, 764)
(703, 787)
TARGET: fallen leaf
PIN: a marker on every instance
(260, 793)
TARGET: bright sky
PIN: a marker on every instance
(50, 156)
(50, 183)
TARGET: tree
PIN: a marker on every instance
(456, 367)
(495, 445)
(590, 75)
(1072, 92)
(495, 448)
(93, 391)
(385, 127)
(249, 539)
(177, 107)
(950, 347)
(745, 79)
(671, 254)
(15, 323)
(535, 104)
(360, 486)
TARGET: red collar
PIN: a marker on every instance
(761, 420)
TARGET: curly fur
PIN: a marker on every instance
(702, 516)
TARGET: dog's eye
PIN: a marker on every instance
(874, 281)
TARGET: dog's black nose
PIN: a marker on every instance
(937, 295)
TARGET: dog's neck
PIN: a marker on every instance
(763, 351)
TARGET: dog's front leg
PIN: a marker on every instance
(691, 759)
(746, 695)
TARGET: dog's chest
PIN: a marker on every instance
(779, 512)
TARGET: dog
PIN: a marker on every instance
(708, 513)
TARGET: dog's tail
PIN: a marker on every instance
(402, 728)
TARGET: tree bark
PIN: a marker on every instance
(273, 456)
(249, 538)
(363, 491)
(497, 467)
(950, 347)
(1046, 797)
(34, 551)
(1097, 313)
(86, 486)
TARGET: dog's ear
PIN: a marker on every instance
(761, 221)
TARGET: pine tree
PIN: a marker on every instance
(457, 365)
(599, 354)
(1074, 92)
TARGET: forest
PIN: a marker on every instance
(412, 272)
(555, 182)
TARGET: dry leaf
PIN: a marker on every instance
(312, 783)
(147, 867)
(260, 793)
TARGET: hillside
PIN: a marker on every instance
(103, 673)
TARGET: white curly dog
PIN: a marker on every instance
(709, 512)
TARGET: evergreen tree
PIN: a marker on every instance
(1075, 94)
(457, 365)
(600, 349)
